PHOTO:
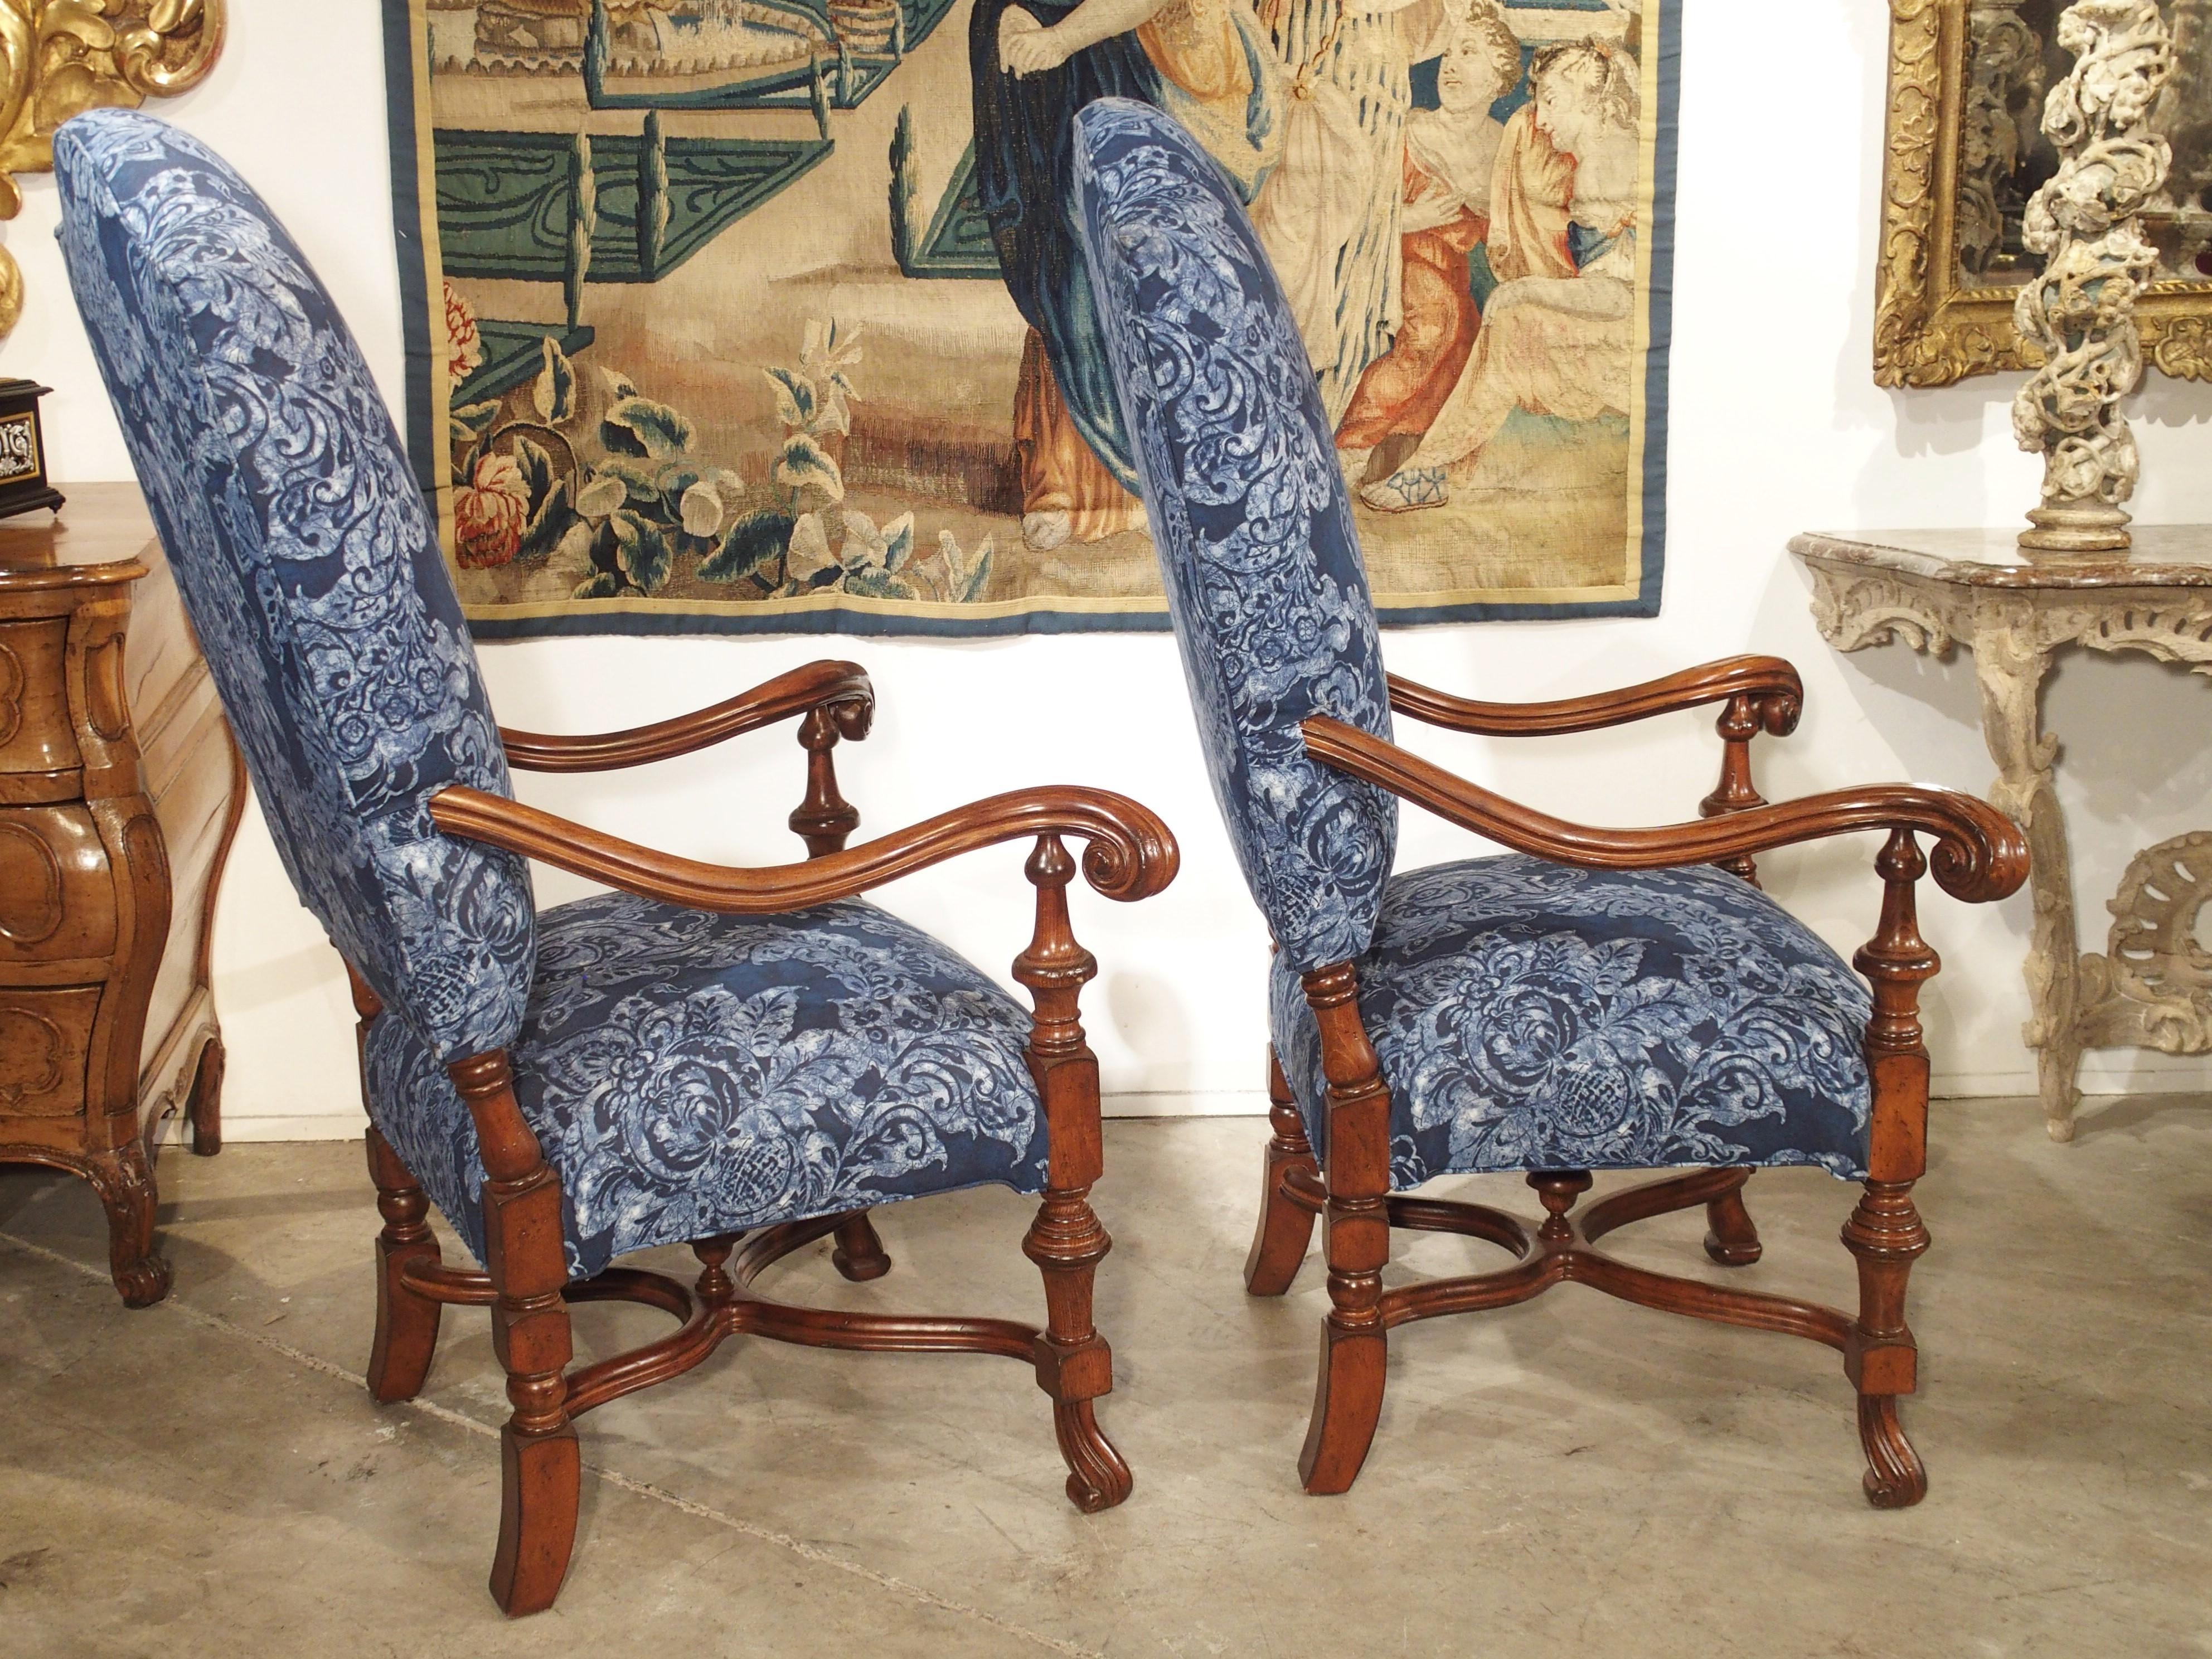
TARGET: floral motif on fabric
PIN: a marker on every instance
(1532, 1016)
(690, 1074)
(308, 563)
(1263, 574)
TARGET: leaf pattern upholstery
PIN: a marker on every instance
(1263, 575)
(689, 1074)
(1533, 1016)
(308, 563)
(1526, 1015)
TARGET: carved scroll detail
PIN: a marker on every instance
(61, 57)
(2154, 986)
(1854, 612)
(2080, 314)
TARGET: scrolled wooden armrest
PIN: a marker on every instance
(1131, 854)
(843, 688)
(1771, 683)
(1979, 853)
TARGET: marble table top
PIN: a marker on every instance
(2164, 556)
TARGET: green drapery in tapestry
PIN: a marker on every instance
(708, 331)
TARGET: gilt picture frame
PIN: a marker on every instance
(1934, 325)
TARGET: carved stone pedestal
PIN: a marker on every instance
(1930, 589)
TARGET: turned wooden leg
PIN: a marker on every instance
(1286, 1229)
(123, 1179)
(1732, 1239)
(1074, 1365)
(1884, 1235)
(859, 1253)
(204, 1107)
(525, 1258)
(1356, 1237)
(406, 1322)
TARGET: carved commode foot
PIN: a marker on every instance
(204, 1107)
(124, 1181)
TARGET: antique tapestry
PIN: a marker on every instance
(770, 315)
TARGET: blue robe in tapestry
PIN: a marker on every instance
(1025, 183)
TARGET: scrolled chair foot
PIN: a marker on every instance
(1097, 1476)
(1896, 1478)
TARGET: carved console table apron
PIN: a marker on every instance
(120, 791)
(2152, 987)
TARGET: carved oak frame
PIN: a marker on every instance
(1979, 856)
(1929, 331)
(1130, 855)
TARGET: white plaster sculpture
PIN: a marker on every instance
(2080, 313)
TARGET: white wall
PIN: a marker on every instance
(1777, 427)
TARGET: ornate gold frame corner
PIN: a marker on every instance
(61, 57)
(1928, 330)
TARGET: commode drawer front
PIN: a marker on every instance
(45, 1037)
(56, 893)
(35, 733)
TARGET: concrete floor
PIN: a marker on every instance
(209, 1477)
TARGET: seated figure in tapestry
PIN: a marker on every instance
(1034, 64)
(1452, 154)
(1558, 334)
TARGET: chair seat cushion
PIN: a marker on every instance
(1532, 1016)
(689, 1074)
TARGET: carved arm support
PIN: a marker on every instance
(1131, 854)
(837, 691)
(1760, 694)
(835, 700)
(1767, 685)
(1979, 853)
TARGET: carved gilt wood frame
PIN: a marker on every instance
(1929, 331)
(61, 57)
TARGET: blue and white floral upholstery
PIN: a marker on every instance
(1262, 570)
(309, 565)
(1528, 1015)
(1533, 1016)
(690, 1074)
(687, 1074)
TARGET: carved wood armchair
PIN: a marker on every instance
(1593, 999)
(740, 1060)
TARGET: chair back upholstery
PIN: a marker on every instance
(1251, 517)
(309, 564)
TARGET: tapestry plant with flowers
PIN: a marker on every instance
(584, 475)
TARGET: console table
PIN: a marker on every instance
(120, 791)
(2152, 985)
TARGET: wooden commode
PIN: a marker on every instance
(120, 791)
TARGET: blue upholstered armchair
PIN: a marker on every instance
(1595, 999)
(743, 1061)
